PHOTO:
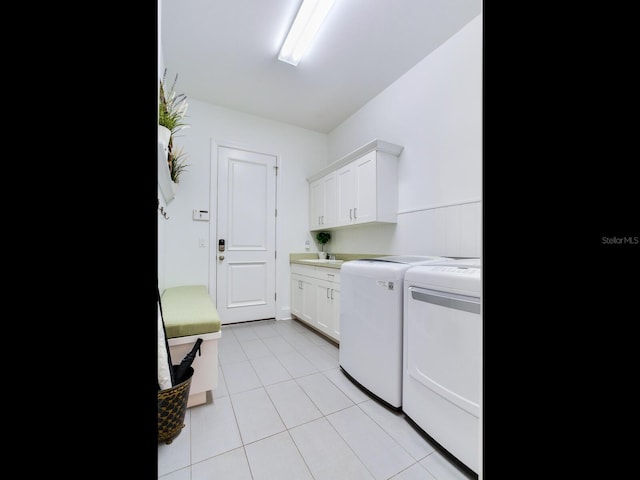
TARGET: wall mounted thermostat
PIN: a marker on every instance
(201, 215)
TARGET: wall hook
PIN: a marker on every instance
(161, 209)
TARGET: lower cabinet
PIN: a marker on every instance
(315, 298)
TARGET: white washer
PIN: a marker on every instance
(371, 323)
(442, 355)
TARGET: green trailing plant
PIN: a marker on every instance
(172, 109)
(177, 165)
(322, 238)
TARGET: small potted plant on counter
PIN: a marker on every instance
(322, 238)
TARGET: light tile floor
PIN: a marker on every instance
(283, 410)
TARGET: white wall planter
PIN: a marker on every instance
(164, 135)
(167, 187)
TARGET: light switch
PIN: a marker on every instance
(202, 242)
(201, 215)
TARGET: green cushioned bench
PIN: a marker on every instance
(189, 314)
(188, 310)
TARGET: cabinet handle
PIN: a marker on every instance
(355, 212)
(328, 293)
(319, 222)
(322, 219)
(332, 294)
(350, 217)
(300, 284)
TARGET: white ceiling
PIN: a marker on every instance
(225, 53)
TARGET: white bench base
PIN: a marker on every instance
(205, 366)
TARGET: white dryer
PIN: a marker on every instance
(371, 323)
(442, 355)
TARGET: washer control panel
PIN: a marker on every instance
(455, 270)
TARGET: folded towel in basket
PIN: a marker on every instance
(164, 364)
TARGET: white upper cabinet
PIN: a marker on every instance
(362, 187)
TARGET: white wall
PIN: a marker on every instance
(300, 153)
(434, 111)
(439, 123)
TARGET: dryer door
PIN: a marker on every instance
(444, 345)
(441, 388)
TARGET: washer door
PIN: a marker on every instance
(444, 345)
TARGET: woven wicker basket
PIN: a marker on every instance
(172, 407)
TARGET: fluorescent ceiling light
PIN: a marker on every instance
(308, 20)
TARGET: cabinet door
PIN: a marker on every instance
(365, 198)
(330, 215)
(346, 194)
(324, 306)
(308, 300)
(316, 204)
(328, 308)
(296, 295)
(303, 300)
(323, 205)
(335, 301)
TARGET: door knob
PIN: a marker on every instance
(220, 257)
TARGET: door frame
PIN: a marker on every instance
(212, 269)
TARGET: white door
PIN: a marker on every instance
(246, 213)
